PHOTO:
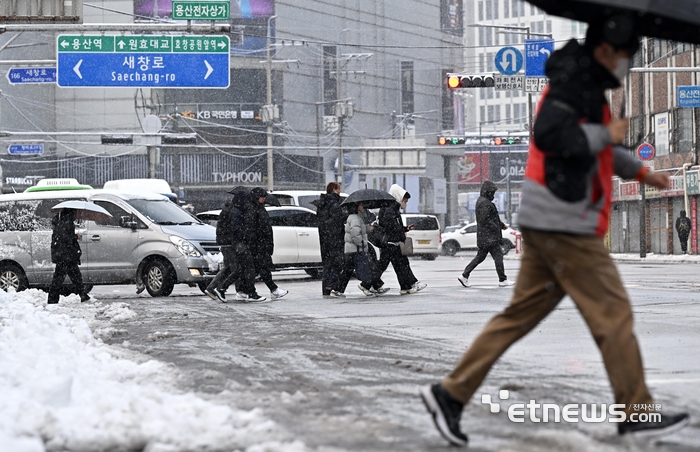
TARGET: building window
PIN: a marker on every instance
(506, 9)
(482, 113)
(492, 114)
(489, 9)
(521, 6)
(508, 118)
(481, 10)
(682, 130)
(495, 9)
(533, 10)
(549, 26)
(515, 8)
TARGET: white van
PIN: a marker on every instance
(425, 235)
(301, 198)
(147, 233)
(159, 186)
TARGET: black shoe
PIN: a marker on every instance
(663, 425)
(52, 302)
(220, 294)
(446, 411)
(210, 293)
(255, 297)
(84, 297)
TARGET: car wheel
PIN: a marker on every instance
(450, 248)
(315, 273)
(159, 278)
(429, 257)
(12, 276)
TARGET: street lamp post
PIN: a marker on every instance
(270, 155)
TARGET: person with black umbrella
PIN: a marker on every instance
(65, 253)
(564, 216)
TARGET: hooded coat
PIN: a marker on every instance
(390, 217)
(683, 225)
(65, 247)
(331, 227)
(488, 223)
(568, 178)
(236, 225)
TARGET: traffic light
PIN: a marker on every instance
(449, 141)
(498, 141)
(455, 81)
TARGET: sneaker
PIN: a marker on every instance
(464, 281)
(140, 288)
(241, 296)
(367, 292)
(210, 293)
(408, 291)
(506, 283)
(381, 291)
(336, 294)
(446, 411)
(278, 293)
(668, 423)
(220, 294)
(254, 297)
(419, 286)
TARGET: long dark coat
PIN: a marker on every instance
(65, 247)
(488, 223)
(331, 227)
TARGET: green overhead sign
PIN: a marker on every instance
(201, 10)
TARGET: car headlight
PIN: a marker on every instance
(185, 247)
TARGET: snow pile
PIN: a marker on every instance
(64, 390)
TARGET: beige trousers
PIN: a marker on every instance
(554, 265)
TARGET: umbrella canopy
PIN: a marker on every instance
(676, 20)
(270, 199)
(370, 198)
(84, 210)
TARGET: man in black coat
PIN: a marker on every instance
(65, 253)
(235, 231)
(264, 244)
(331, 235)
(488, 236)
(683, 227)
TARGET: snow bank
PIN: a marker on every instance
(62, 389)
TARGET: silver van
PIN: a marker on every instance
(147, 235)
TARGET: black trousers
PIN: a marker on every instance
(352, 265)
(238, 264)
(497, 256)
(333, 263)
(70, 269)
(263, 268)
(684, 242)
(402, 267)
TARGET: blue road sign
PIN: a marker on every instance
(689, 96)
(25, 149)
(26, 75)
(536, 53)
(143, 61)
(509, 61)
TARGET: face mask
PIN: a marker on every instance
(622, 69)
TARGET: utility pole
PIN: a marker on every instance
(270, 115)
(642, 187)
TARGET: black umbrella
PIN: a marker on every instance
(370, 198)
(270, 199)
(676, 20)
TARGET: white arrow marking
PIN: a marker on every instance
(508, 61)
(64, 44)
(121, 45)
(546, 51)
(209, 69)
(76, 69)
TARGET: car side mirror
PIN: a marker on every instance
(128, 222)
(462, 232)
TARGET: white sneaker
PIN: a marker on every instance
(278, 293)
(367, 292)
(506, 283)
(381, 291)
(410, 291)
(241, 296)
(336, 294)
(464, 281)
(419, 286)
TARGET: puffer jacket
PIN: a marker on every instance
(488, 223)
(390, 217)
(355, 234)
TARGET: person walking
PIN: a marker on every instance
(564, 213)
(356, 246)
(488, 236)
(65, 253)
(683, 228)
(331, 235)
(235, 232)
(264, 244)
(377, 285)
(391, 223)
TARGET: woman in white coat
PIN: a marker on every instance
(356, 246)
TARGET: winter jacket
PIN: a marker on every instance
(331, 225)
(568, 178)
(683, 225)
(264, 240)
(488, 223)
(236, 225)
(390, 217)
(355, 234)
(65, 247)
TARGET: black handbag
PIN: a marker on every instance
(377, 235)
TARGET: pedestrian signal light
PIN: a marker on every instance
(449, 141)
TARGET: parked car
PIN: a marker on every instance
(146, 232)
(295, 231)
(465, 239)
(425, 235)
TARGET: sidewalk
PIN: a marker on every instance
(632, 258)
